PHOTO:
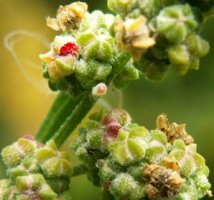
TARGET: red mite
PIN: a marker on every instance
(69, 48)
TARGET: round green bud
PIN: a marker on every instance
(59, 185)
(130, 145)
(187, 192)
(187, 157)
(176, 22)
(149, 7)
(12, 155)
(179, 55)
(95, 138)
(197, 45)
(121, 6)
(54, 163)
(66, 64)
(92, 43)
(96, 20)
(91, 72)
(56, 167)
(28, 165)
(125, 186)
(129, 73)
(106, 172)
(35, 185)
(202, 185)
(157, 148)
(137, 170)
(4, 188)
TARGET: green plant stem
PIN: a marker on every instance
(73, 119)
(79, 170)
(61, 108)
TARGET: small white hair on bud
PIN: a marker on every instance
(99, 90)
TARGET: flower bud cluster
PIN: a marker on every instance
(158, 33)
(35, 170)
(82, 56)
(131, 162)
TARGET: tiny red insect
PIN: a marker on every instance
(69, 48)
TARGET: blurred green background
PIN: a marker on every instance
(25, 98)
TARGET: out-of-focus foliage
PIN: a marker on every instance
(22, 105)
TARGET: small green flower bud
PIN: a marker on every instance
(101, 42)
(66, 65)
(121, 6)
(176, 22)
(93, 21)
(106, 172)
(130, 146)
(4, 188)
(94, 138)
(149, 7)
(129, 73)
(12, 155)
(53, 163)
(137, 170)
(188, 159)
(35, 186)
(202, 185)
(59, 185)
(91, 72)
(179, 55)
(157, 148)
(125, 186)
(197, 45)
(56, 167)
(28, 165)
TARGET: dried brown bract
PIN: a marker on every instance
(162, 182)
(68, 17)
(133, 35)
(173, 131)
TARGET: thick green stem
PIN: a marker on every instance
(73, 119)
(61, 108)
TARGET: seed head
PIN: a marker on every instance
(162, 182)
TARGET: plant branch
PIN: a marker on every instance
(61, 108)
(73, 119)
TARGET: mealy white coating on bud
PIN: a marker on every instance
(99, 90)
